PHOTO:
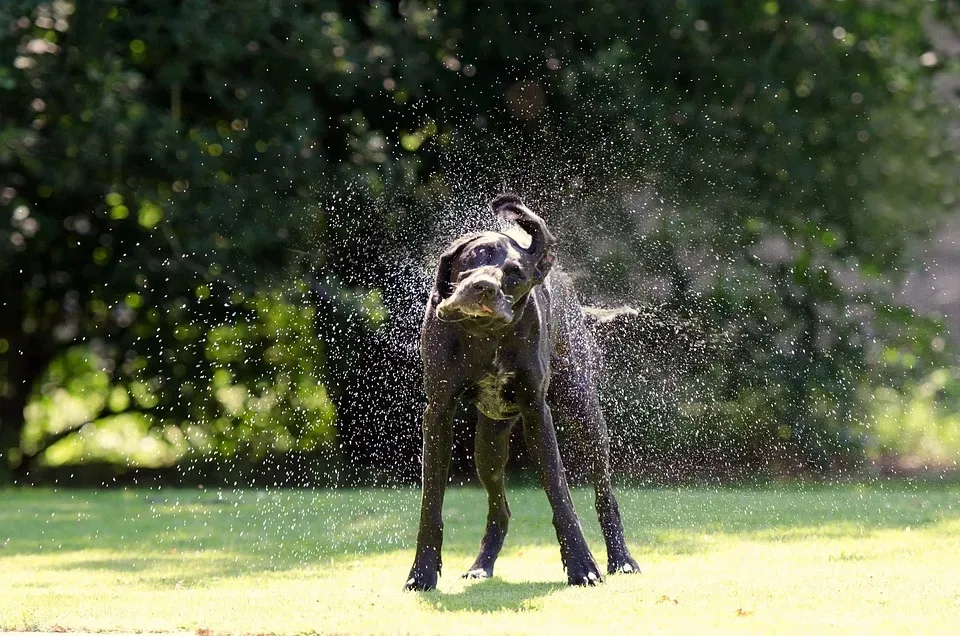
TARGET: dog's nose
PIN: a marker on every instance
(484, 288)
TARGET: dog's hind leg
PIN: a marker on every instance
(541, 439)
(574, 399)
(491, 451)
(596, 439)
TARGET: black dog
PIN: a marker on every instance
(502, 333)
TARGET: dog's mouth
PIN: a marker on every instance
(492, 311)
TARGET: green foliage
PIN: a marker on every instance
(918, 425)
(81, 412)
(286, 409)
(152, 184)
(760, 169)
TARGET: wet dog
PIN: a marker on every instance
(508, 335)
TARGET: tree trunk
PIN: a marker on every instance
(12, 419)
(26, 358)
(24, 370)
(809, 448)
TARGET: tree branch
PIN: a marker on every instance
(104, 413)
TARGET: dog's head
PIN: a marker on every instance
(485, 278)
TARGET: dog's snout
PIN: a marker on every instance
(485, 288)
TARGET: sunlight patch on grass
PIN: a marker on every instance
(836, 559)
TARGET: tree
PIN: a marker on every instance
(761, 169)
(153, 185)
(167, 179)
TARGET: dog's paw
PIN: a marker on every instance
(415, 584)
(587, 579)
(421, 581)
(477, 573)
(584, 572)
(623, 566)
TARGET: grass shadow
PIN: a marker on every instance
(238, 532)
(492, 595)
(165, 572)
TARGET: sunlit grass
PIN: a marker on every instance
(880, 558)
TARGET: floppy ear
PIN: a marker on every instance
(443, 286)
(543, 245)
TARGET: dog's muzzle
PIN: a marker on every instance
(477, 298)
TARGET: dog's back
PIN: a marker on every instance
(574, 348)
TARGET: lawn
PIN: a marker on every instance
(879, 558)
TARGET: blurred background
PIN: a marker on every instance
(218, 223)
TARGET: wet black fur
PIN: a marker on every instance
(537, 366)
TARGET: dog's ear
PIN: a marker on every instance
(443, 286)
(542, 242)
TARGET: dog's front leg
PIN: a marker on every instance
(437, 444)
(541, 439)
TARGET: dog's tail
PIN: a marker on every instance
(653, 333)
(594, 317)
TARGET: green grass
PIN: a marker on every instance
(846, 559)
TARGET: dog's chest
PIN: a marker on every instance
(494, 393)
